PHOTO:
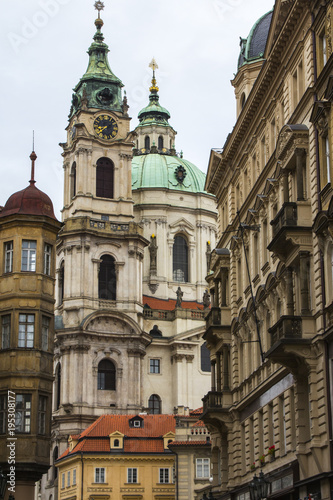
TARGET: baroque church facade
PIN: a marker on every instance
(132, 256)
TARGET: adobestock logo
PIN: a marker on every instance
(31, 27)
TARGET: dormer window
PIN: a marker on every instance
(136, 422)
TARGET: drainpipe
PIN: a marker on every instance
(81, 475)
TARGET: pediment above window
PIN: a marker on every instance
(291, 138)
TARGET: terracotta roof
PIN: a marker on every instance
(197, 412)
(153, 426)
(145, 439)
(146, 446)
(170, 304)
(198, 423)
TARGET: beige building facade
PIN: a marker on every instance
(269, 330)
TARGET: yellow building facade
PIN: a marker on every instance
(120, 457)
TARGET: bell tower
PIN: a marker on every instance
(100, 343)
(98, 151)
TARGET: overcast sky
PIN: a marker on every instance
(43, 54)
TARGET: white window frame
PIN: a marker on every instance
(29, 251)
(202, 467)
(164, 475)
(9, 249)
(62, 480)
(132, 475)
(47, 258)
(155, 364)
(26, 331)
(45, 332)
(5, 330)
(23, 413)
(99, 474)
(42, 405)
(74, 477)
(68, 478)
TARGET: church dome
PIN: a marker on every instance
(253, 47)
(168, 172)
(29, 201)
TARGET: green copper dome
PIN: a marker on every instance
(99, 87)
(168, 172)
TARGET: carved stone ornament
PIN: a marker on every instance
(180, 173)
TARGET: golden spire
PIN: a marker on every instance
(154, 66)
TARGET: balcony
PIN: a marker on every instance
(213, 317)
(218, 322)
(286, 217)
(290, 223)
(216, 407)
(288, 327)
(291, 340)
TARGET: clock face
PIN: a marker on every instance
(105, 127)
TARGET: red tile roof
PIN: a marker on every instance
(170, 304)
(145, 439)
(198, 423)
(197, 412)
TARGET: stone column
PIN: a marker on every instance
(225, 368)
(290, 291)
(213, 375)
(224, 275)
(304, 281)
(300, 160)
(216, 293)
(285, 186)
(218, 372)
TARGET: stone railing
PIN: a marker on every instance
(288, 327)
(286, 217)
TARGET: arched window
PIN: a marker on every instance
(160, 142)
(104, 178)
(73, 180)
(147, 142)
(107, 281)
(205, 358)
(180, 259)
(116, 443)
(106, 376)
(61, 281)
(57, 386)
(243, 100)
(55, 458)
(155, 404)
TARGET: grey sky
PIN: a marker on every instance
(43, 55)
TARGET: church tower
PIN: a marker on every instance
(100, 343)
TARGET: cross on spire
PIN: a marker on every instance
(153, 64)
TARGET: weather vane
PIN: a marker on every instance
(99, 6)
